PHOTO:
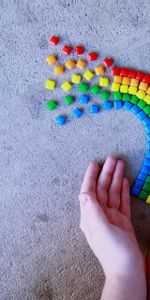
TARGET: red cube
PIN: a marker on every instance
(54, 40)
(146, 79)
(66, 50)
(124, 72)
(139, 75)
(79, 50)
(115, 71)
(108, 62)
(132, 74)
(92, 56)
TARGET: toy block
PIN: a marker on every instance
(118, 104)
(126, 97)
(132, 74)
(88, 75)
(141, 94)
(79, 50)
(143, 195)
(83, 87)
(66, 86)
(147, 161)
(95, 89)
(70, 64)
(135, 109)
(146, 109)
(50, 84)
(141, 104)
(135, 191)
(145, 169)
(139, 75)
(124, 88)
(117, 96)
(143, 86)
(66, 50)
(141, 115)
(51, 105)
(148, 90)
(115, 71)
(146, 79)
(107, 105)
(138, 184)
(124, 72)
(147, 179)
(142, 176)
(104, 81)
(134, 82)
(99, 70)
(54, 40)
(134, 99)
(147, 99)
(61, 120)
(132, 90)
(145, 120)
(59, 70)
(104, 95)
(51, 59)
(126, 80)
(92, 56)
(147, 128)
(69, 99)
(115, 87)
(108, 62)
(148, 152)
(94, 109)
(76, 78)
(77, 113)
(148, 138)
(148, 199)
(84, 99)
(81, 64)
(146, 187)
(118, 79)
(127, 105)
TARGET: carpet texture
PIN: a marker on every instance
(43, 254)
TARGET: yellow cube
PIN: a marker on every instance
(134, 82)
(124, 88)
(148, 199)
(118, 79)
(104, 81)
(76, 78)
(51, 59)
(115, 87)
(50, 84)
(70, 64)
(126, 81)
(59, 70)
(132, 90)
(147, 99)
(141, 94)
(99, 70)
(66, 86)
(88, 75)
(143, 86)
(148, 90)
(81, 64)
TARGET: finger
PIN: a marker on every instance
(125, 199)
(105, 178)
(90, 179)
(116, 185)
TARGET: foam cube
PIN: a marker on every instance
(115, 87)
(148, 90)
(50, 84)
(51, 59)
(60, 120)
(69, 99)
(66, 86)
(59, 70)
(88, 75)
(132, 90)
(107, 105)
(83, 87)
(51, 105)
(70, 64)
(118, 79)
(126, 80)
(141, 94)
(81, 64)
(104, 81)
(147, 99)
(94, 109)
(66, 50)
(95, 89)
(84, 99)
(77, 112)
(143, 86)
(99, 70)
(134, 82)
(76, 78)
(105, 95)
(124, 88)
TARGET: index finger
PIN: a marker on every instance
(89, 183)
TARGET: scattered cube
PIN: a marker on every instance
(146, 79)
(105, 95)
(147, 99)
(141, 94)
(83, 87)
(61, 120)
(134, 82)
(118, 79)
(108, 62)
(143, 86)
(51, 105)
(126, 80)
(139, 75)
(107, 105)
(84, 99)
(104, 81)
(92, 56)
(69, 99)
(51, 59)
(99, 70)
(95, 89)
(77, 112)
(124, 88)
(76, 78)
(148, 90)
(94, 109)
(79, 50)
(81, 64)
(124, 72)
(115, 71)
(59, 70)
(88, 75)
(67, 50)
(70, 64)
(50, 84)
(66, 86)
(54, 40)
(132, 90)
(132, 74)
(115, 87)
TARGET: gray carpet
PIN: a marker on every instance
(43, 254)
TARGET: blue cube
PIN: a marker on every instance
(77, 112)
(135, 191)
(94, 109)
(146, 121)
(135, 109)
(60, 120)
(107, 105)
(84, 99)
(142, 176)
(138, 184)
(127, 105)
(118, 104)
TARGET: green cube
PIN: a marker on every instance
(104, 95)
(83, 87)
(51, 105)
(117, 96)
(141, 104)
(146, 187)
(134, 99)
(69, 99)
(143, 195)
(95, 89)
(126, 97)
(146, 109)
(147, 179)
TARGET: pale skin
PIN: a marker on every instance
(106, 223)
